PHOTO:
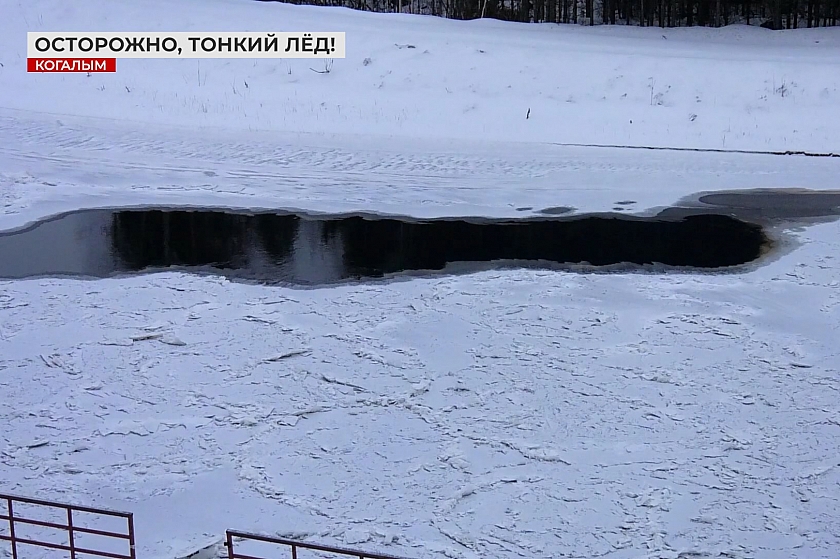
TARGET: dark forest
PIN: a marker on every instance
(771, 14)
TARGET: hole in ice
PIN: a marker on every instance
(306, 250)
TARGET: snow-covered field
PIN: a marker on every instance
(497, 414)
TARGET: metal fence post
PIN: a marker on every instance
(12, 529)
(131, 544)
(70, 533)
(229, 544)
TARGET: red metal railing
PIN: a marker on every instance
(72, 530)
(295, 545)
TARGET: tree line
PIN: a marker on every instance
(773, 14)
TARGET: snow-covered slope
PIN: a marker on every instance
(498, 414)
(737, 87)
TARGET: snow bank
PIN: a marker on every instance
(412, 76)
